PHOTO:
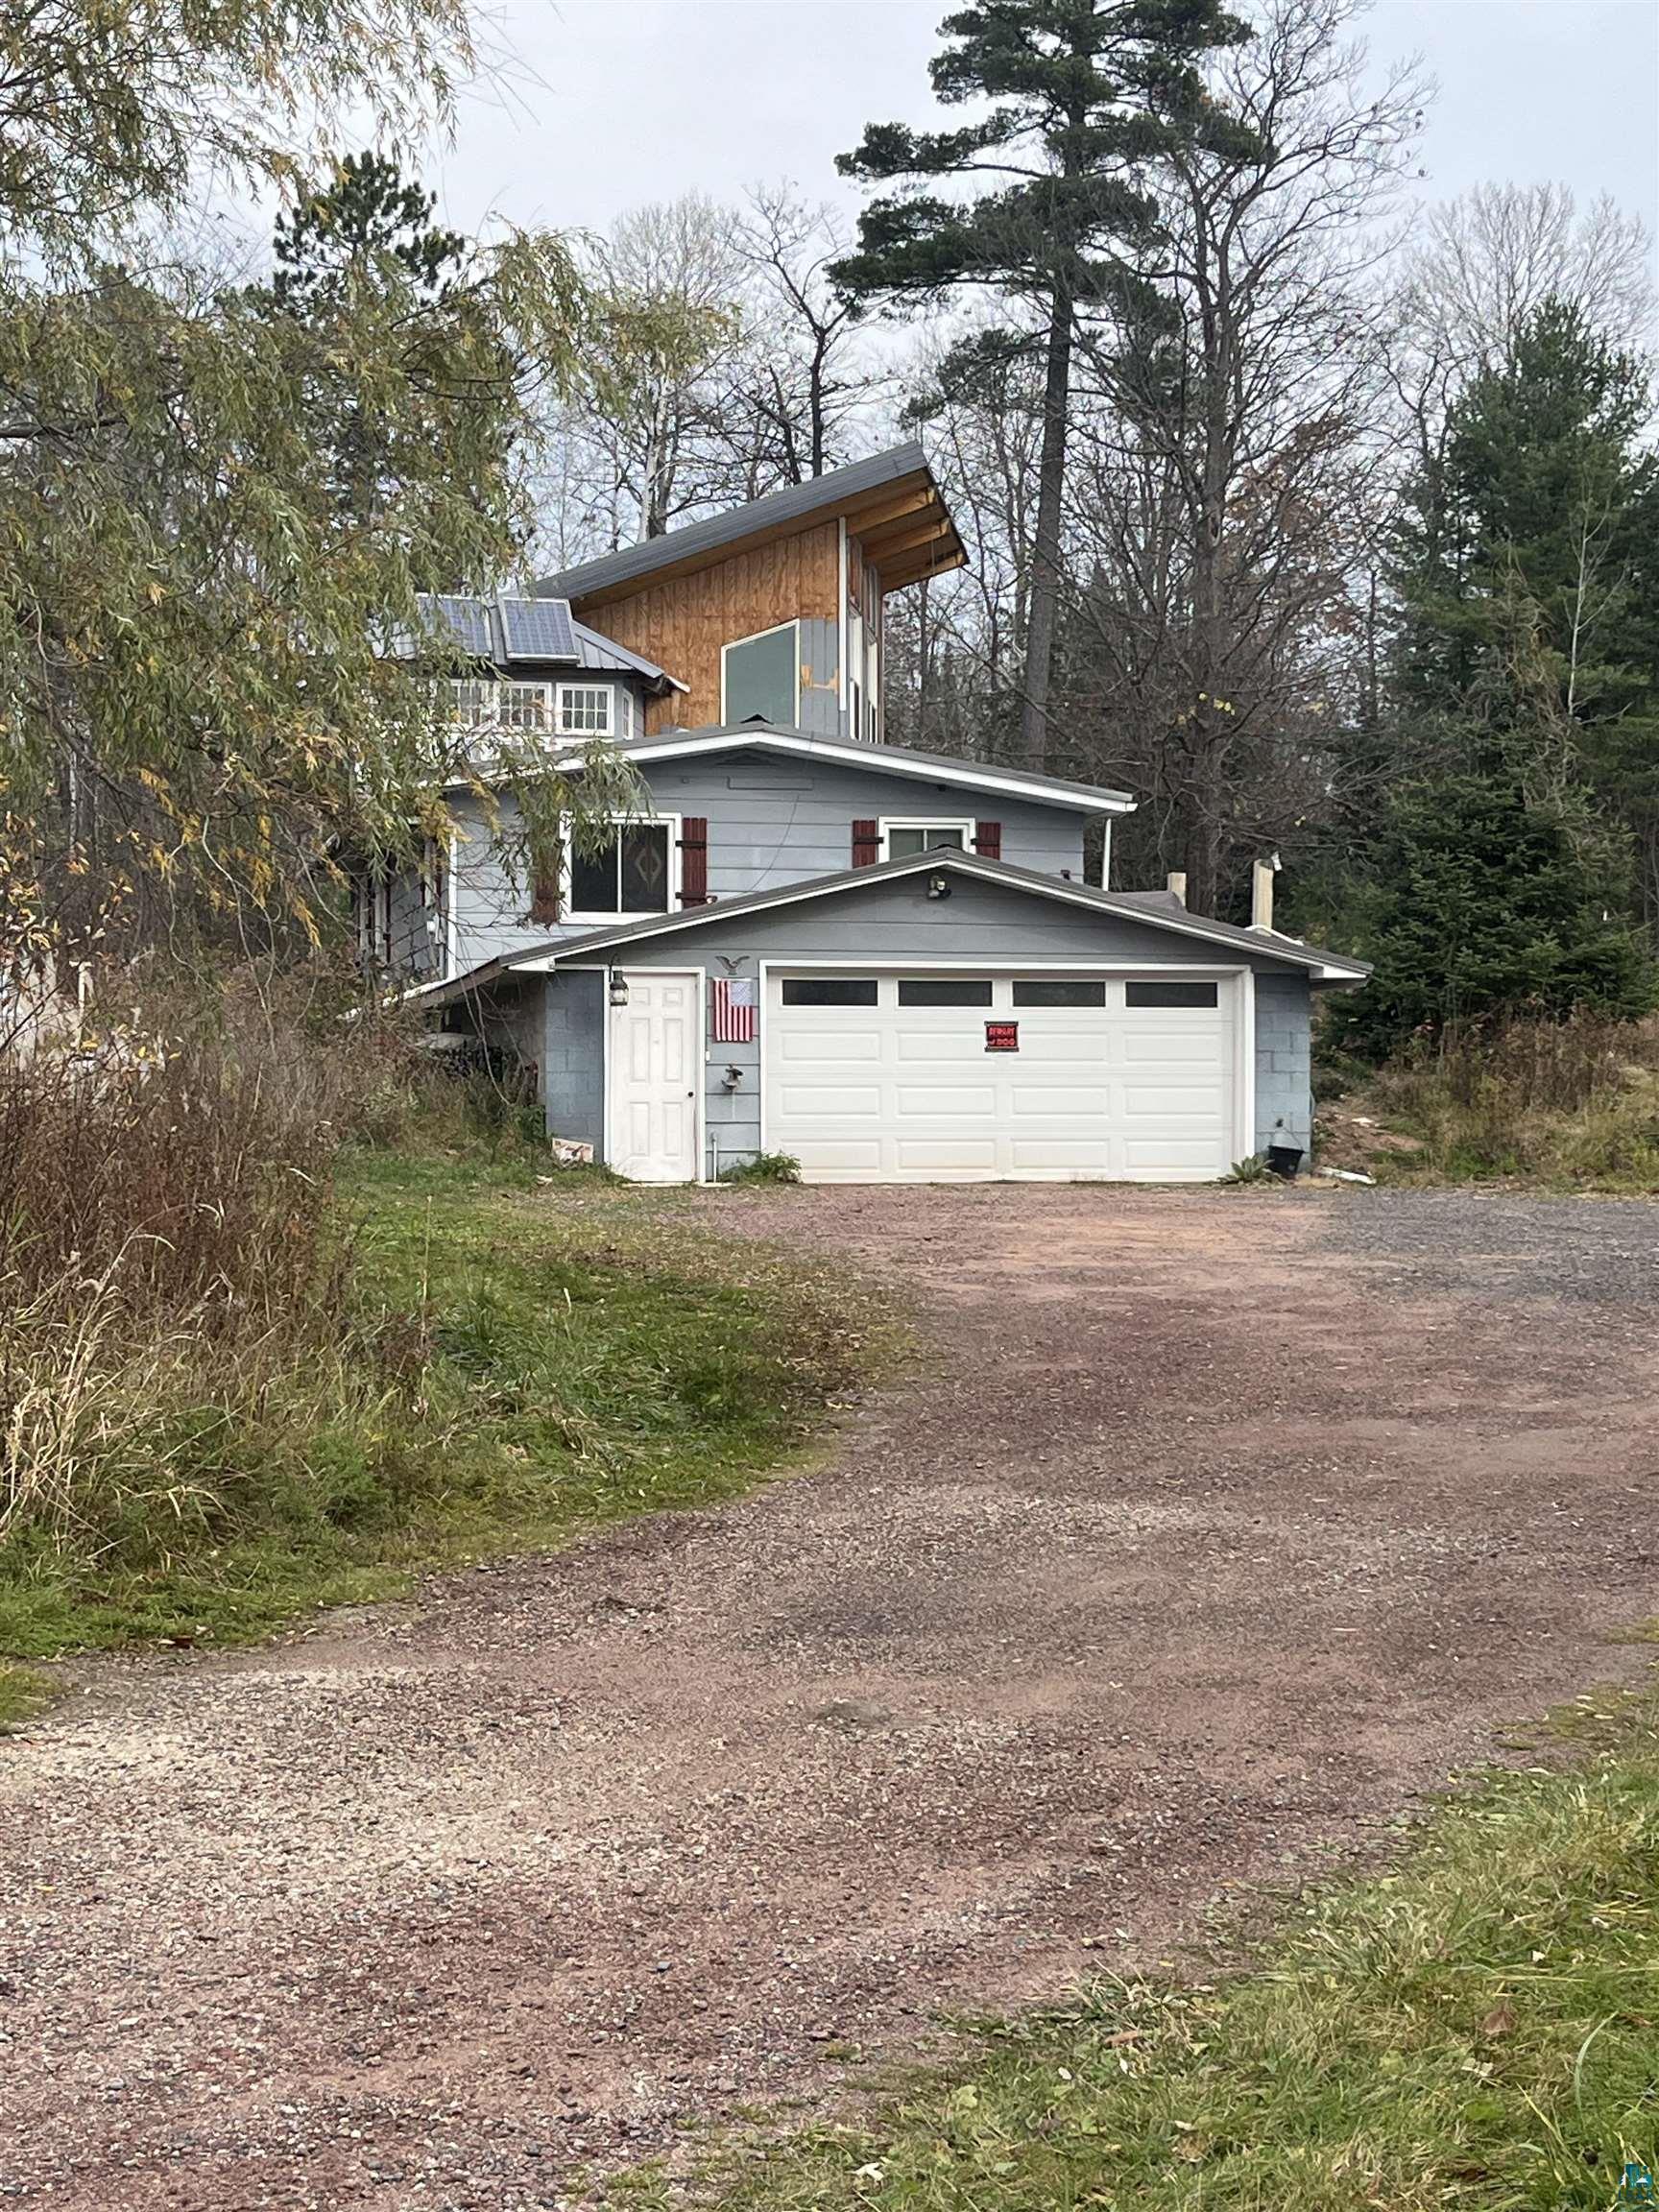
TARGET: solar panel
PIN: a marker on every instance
(464, 622)
(539, 630)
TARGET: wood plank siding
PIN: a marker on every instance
(683, 623)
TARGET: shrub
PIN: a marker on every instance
(764, 1168)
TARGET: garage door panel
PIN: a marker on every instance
(817, 1047)
(955, 1154)
(911, 1094)
(825, 1102)
(1178, 1046)
(951, 1100)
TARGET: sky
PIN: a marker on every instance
(591, 107)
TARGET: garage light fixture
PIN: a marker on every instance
(938, 888)
(618, 988)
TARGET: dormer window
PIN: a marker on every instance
(587, 710)
(760, 677)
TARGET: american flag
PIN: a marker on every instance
(734, 1010)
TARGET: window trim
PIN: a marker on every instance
(890, 822)
(569, 912)
(491, 703)
(753, 639)
(562, 729)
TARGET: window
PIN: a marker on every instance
(473, 702)
(830, 991)
(482, 702)
(1170, 994)
(584, 709)
(1054, 993)
(760, 676)
(945, 991)
(901, 839)
(631, 875)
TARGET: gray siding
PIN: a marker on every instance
(1284, 1058)
(771, 821)
(896, 921)
(573, 1058)
(821, 678)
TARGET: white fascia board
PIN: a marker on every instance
(941, 771)
(939, 860)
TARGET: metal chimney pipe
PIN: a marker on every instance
(1176, 881)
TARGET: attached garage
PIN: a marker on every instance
(940, 1017)
(879, 1075)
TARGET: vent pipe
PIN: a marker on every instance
(1176, 884)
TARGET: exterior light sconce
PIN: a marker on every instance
(733, 1075)
(618, 988)
(938, 888)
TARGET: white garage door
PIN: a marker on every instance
(885, 1079)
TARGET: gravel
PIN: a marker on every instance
(1210, 1528)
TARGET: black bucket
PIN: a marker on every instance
(1284, 1161)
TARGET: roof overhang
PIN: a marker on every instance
(1238, 945)
(890, 502)
(884, 760)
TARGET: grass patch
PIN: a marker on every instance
(23, 1692)
(521, 1362)
(1478, 2029)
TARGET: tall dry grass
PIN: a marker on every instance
(1576, 1100)
(172, 1266)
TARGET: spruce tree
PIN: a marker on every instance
(1082, 96)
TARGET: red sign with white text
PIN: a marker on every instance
(1002, 1036)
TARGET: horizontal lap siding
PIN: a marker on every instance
(770, 823)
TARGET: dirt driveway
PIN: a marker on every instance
(1216, 1525)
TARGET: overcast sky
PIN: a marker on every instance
(602, 104)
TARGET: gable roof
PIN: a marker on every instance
(1155, 910)
(510, 632)
(892, 493)
(884, 760)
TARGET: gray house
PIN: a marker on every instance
(885, 964)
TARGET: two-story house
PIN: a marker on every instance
(884, 963)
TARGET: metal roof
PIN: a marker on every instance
(508, 630)
(1155, 910)
(797, 505)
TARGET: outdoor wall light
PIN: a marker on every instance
(618, 988)
(733, 1075)
(938, 888)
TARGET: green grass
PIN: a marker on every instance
(23, 1692)
(1479, 2028)
(546, 1356)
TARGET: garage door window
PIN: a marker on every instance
(1059, 994)
(1170, 993)
(945, 991)
(830, 991)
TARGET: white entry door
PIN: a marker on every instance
(656, 1071)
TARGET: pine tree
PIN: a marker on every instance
(1083, 95)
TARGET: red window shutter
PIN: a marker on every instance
(866, 844)
(544, 905)
(988, 840)
(694, 860)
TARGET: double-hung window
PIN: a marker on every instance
(636, 872)
(587, 710)
(903, 838)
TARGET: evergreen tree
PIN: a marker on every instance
(1082, 95)
(1487, 898)
(366, 217)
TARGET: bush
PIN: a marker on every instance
(764, 1168)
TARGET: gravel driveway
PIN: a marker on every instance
(1213, 1525)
